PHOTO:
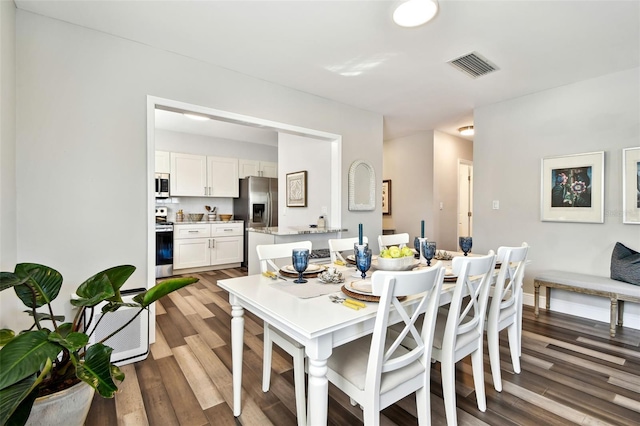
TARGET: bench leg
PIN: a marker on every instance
(536, 298)
(614, 312)
(620, 311)
(548, 301)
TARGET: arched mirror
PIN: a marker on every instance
(362, 186)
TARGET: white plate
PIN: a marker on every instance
(360, 284)
(311, 269)
(352, 257)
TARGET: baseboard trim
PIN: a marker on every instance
(597, 313)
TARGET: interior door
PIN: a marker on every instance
(465, 199)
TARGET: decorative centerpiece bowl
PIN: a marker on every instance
(225, 217)
(395, 263)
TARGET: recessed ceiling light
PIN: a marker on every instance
(466, 131)
(412, 13)
(196, 117)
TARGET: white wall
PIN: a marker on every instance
(447, 150)
(295, 154)
(423, 169)
(511, 139)
(8, 200)
(81, 140)
(408, 162)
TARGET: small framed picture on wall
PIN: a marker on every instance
(386, 196)
(297, 189)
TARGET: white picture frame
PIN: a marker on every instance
(631, 185)
(572, 188)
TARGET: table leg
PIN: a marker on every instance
(237, 343)
(548, 301)
(620, 311)
(318, 392)
(612, 320)
(536, 299)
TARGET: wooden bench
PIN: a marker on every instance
(617, 291)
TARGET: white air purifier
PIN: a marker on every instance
(129, 345)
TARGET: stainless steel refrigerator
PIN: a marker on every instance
(257, 205)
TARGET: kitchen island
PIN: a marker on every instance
(278, 235)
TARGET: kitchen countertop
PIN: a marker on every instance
(204, 222)
(295, 230)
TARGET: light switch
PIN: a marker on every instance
(496, 204)
(441, 205)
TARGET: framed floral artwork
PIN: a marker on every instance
(297, 189)
(572, 188)
(386, 196)
(631, 185)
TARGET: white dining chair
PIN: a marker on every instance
(460, 328)
(505, 309)
(267, 254)
(399, 240)
(377, 371)
(338, 245)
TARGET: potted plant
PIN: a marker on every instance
(54, 355)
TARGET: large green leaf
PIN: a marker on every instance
(44, 316)
(24, 355)
(73, 341)
(114, 306)
(6, 335)
(96, 370)
(94, 286)
(17, 399)
(9, 279)
(96, 291)
(45, 281)
(162, 289)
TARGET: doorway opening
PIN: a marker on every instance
(465, 198)
(154, 103)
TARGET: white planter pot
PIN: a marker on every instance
(65, 408)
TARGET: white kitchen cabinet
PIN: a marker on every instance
(163, 162)
(198, 245)
(222, 177)
(188, 175)
(257, 168)
(203, 176)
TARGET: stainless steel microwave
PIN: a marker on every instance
(162, 185)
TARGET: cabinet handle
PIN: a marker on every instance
(228, 230)
(210, 191)
(214, 243)
(193, 231)
(205, 190)
(209, 243)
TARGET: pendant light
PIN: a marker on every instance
(412, 13)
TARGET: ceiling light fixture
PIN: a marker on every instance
(412, 13)
(466, 131)
(196, 117)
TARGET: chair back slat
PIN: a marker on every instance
(338, 245)
(507, 290)
(267, 253)
(470, 296)
(389, 285)
(399, 240)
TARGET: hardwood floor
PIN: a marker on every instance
(572, 373)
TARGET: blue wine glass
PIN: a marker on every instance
(362, 253)
(465, 244)
(429, 250)
(300, 260)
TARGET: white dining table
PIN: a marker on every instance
(317, 323)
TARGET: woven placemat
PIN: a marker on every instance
(304, 275)
(363, 297)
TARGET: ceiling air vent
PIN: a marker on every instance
(473, 65)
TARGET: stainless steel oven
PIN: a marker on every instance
(164, 244)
